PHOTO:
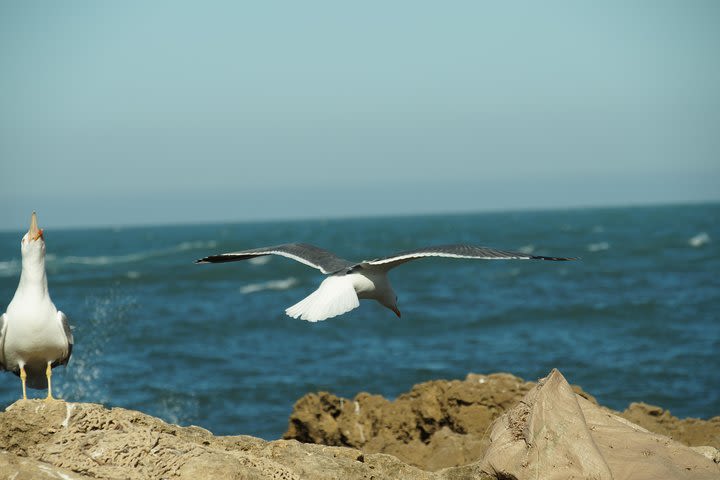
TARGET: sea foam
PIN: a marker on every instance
(699, 240)
(598, 247)
(283, 284)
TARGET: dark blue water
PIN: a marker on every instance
(635, 320)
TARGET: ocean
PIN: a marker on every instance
(635, 319)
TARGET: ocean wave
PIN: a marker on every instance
(699, 240)
(283, 284)
(10, 268)
(260, 260)
(103, 260)
(598, 247)
(196, 245)
(527, 249)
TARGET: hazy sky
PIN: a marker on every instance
(137, 112)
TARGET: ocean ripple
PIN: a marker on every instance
(283, 284)
(699, 240)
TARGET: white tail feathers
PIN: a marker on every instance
(335, 296)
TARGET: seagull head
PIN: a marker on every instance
(389, 301)
(33, 242)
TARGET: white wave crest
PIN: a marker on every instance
(10, 268)
(260, 260)
(699, 240)
(598, 247)
(283, 284)
(527, 249)
(102, 260)
(196, 245)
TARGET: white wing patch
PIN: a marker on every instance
(335, 296)
(413, 256)
(280, 253)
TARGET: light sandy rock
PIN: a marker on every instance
(555, 434)
(440, 430)
(84, 440)
(441, 424)
(708, 452)
(14, 467)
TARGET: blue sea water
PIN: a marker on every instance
(636, 319)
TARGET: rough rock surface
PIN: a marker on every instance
(690, 431)
(58, 440)
(436, 424)
(554, 434)
(441, 423)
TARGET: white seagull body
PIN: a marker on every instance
(34, 335)
(349, 282)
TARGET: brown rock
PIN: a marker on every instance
(435, 425)
(41, 440)
(442, 424)
(690, 431)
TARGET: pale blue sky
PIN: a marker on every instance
(167, 111)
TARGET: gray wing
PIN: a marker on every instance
(3, 328)
(63, 319)
(456, 251)
(326, 262)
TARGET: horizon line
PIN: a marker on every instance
(361, 216)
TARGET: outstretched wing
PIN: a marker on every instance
(456, 251)
(326, 262)
(65, 323)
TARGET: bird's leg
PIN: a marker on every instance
(23, 377)
(48, 374)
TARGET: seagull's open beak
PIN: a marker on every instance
(34, 233)
(396, 310)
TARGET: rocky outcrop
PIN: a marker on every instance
(554, 434)
(441, 424)
(437, 424)
(58, 440)
(486, 427)
(690, 431)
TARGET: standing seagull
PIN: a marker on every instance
(34, 335)
(348, 282)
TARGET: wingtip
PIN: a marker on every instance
(555, 259)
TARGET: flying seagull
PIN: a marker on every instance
(348, 282)
(34, 335)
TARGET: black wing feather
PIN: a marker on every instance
(325, 261)
(457, 251)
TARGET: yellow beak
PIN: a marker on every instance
(34, 233)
